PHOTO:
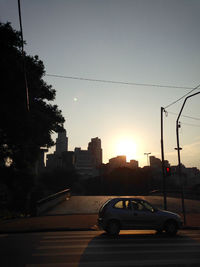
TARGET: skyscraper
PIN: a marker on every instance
(61, 142)
(95, 149)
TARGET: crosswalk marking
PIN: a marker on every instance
(121, 236)
(91, 249)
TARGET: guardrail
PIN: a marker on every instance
(51, 201)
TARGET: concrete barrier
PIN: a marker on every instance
(51, 201)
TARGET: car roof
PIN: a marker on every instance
(125, 198)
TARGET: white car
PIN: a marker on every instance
(134, 214)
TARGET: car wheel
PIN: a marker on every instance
(171, 228)
(113, 228)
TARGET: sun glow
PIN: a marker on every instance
(126, 147)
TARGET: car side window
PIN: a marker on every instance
(119, 205)
(127, 204)
(137, 205)
(134, 204)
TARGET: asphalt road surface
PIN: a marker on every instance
(96, 249)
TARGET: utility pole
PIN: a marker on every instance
(179, 157)
(23, 57)
(163, 162)
(147, 154)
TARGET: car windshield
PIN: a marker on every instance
(148, 206)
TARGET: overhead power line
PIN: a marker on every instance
(118, 82)
(174, 102)
(189, 124)
(185, 116)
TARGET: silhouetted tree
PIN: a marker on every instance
(19, 183)
(23, 132)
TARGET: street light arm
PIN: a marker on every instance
(184, 105)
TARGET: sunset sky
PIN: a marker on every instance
(132, 41)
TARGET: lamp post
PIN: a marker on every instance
(163, 162)
(147, 154)
(179, 157)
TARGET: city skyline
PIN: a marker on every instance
(140, 42)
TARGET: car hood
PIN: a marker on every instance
(168, 214)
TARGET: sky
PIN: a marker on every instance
(131, 41)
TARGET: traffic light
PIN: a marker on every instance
(168, 171)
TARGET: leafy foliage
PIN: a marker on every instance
(23, 132)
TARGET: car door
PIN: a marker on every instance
(142, 218)
(123, 212)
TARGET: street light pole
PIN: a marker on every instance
(179, 157)
(163, 162)
(147, 154)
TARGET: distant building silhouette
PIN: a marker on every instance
(61, 158)
(95, 149)
(120, 161)
(133, 164)
(61, 142)
(85, 162)
(157, 163)
(65, 160)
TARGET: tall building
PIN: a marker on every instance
(95, 149)
(84, 163)
(61, 142)
(61, 158)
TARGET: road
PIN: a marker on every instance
(95, 249)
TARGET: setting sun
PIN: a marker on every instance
(126, 147)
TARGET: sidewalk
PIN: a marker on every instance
(49, 223)
(69, 222)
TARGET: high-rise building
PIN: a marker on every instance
(61, 142)
(95, 149)
(61, 158)
(84, 163)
